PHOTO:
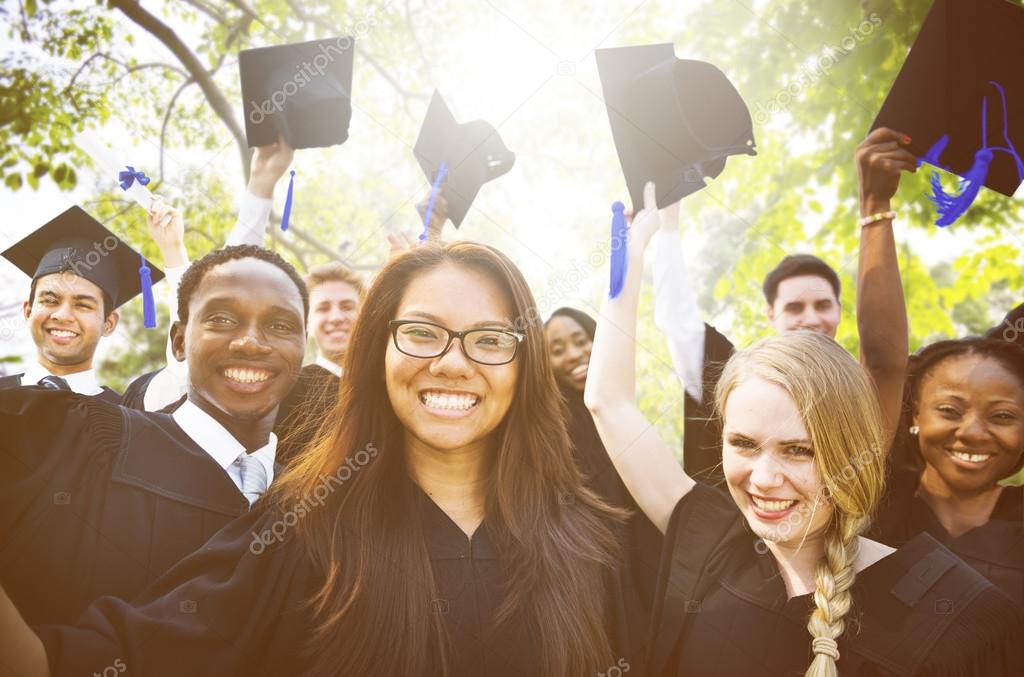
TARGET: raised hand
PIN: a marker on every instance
(167, 229)
(437, 217)
(645, 223)
(268, 165)
(881, 157)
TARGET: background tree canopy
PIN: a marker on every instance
(161, 78)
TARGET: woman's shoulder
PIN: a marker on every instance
(923, 610)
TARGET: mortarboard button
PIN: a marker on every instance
(674, 121)
(960, 97)
(301, 91)
(78, 244)
(472, 154)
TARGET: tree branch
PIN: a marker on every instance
(170, 39)
(208, 10)
(167, 117)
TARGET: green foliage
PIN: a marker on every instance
(812, 73)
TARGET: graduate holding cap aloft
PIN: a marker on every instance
(81, 274)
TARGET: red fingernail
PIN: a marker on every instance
(906, 139)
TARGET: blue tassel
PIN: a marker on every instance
(287, 213)
(148, 306)
(618, 255)
(951, 207)
(442, 171)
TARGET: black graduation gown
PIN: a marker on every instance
(702, 433)
(638, 538)
(96, 499)
(722, 608)
(107, 394)
(308, 403)
(236, 608)
(995, 549)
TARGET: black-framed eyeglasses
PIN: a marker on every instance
(427, 340)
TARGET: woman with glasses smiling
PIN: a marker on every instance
(438, 526)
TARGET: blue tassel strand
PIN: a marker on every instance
(148, 306)
(442, 171)
(287, 213)
(620, 234)
(952, 206)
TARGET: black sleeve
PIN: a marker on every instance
(135, 394)
(234, 607)
(702, 528)
(53, 443)
(702, 436)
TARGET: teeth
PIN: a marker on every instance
(247, 375)
(581, 369)
(971, 458)
(447, 401)
(62, 332)
(772, 506)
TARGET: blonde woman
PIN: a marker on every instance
(775, 578)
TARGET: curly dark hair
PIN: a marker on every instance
(197, 271)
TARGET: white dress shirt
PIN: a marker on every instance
(221, 445)
(327, 364)
(676, 313)
(82, 382)
(171, 384)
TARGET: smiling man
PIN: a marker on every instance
(81, 273)
(117, 495)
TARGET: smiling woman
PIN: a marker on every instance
(466, 545)
(963, 433)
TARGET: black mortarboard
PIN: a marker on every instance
(300, 91)
(472, 153)
(963, 46)
(76, 243)
(674, 121)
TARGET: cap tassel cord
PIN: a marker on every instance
(442, 171)
(618, 253)
(287, 213)
(952, 206)
(148, 306)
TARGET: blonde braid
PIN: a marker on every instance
(832, 598)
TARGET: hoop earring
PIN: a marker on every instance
(914, 429)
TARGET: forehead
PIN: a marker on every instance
(763, 411)
(561, 327)
(967, 375)
(68, 283)
(458, 295)
(249, 280)
(805, 288)
(333, 291)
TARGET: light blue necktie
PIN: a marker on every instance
(254, 477)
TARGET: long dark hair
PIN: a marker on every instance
(373, 611)
(588, 323)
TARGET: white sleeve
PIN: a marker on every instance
(676, 313)
(252, 220)
(170, 384)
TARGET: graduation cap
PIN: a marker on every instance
(76, 243)
(674, 121)
(300, 91)
(462, 157)
(960, 98)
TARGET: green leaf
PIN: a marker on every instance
(13, 181)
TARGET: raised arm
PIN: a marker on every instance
(641, 457)
(675, 305)
(268, 165)
(881, 309)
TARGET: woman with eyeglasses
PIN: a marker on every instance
(439, 526)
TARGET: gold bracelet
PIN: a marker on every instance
(875, 218)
